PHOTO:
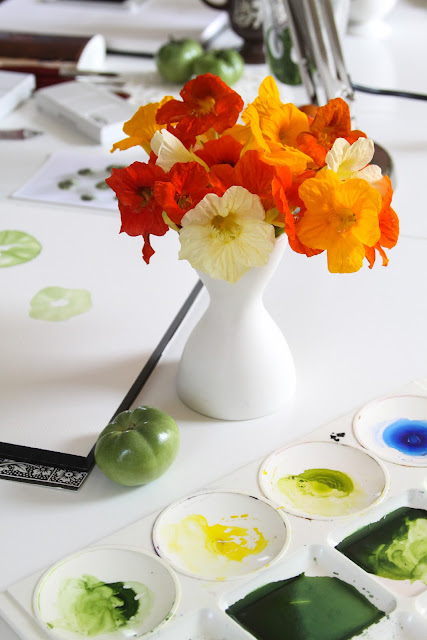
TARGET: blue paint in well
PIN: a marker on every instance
(407, 436)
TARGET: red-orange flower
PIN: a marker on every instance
(224, 150)
(188, 184)
(250, 172)
(389, 227)
(291, 207)
(330, 122)
(141, 214)
(206, 102)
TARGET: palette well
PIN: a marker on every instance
(221, 535)
(107, 592)
(395, 428)
(323, 479)
(242, 564)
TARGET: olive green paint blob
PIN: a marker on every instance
(394, 547)
(56, 304)
(17, 247)
(305, 608)
(90, 607)
(321, 491)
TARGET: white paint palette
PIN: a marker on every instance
(256, 541)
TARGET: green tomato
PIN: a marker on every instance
(228, 64)
(175, 59)
(138, 446)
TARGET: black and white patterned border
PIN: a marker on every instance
(42, 474)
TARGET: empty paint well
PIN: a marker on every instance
(323, 479)
(395, 429)
(220, 535)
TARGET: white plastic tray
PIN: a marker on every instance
(201, 611)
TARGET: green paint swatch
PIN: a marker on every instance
(56, 304)
(395, 547)
(305, 608)
(17, 247)
(89, 607)
(326, 492)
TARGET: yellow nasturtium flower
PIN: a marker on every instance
(141, 127)
(275, 128)
(224, 236)
(340, 218)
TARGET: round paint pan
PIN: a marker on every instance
(106, 592)
(395, 429)
(323, 480)
(220, 535)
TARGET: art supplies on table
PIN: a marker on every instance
(14, 89)
(96, 112)
(322, 540)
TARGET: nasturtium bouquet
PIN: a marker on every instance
(230, 180)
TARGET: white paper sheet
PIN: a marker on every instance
(61, 380)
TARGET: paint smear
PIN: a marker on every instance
(56, 304)
(305, 608)
(89, 607)
(394, 548)
(407, 436)
(324, 492)
(17, 247)
(203, 547)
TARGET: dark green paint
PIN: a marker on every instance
(305, 608)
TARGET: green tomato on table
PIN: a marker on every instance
(228, 64)
(175, 59)
(138, 446)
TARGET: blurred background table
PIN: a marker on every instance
(354, 337)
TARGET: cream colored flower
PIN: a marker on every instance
(351, 160)
(170, 150)
(226, 236)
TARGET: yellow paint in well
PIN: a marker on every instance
(216, 548)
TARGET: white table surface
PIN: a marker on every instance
(354, 337)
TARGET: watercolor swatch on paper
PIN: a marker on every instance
(325, 492)
(394, 547)
(89, 607)
(17, 247)
(215, 547)
(56, 304)
(305, 608)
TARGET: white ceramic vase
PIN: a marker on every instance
(236, 364)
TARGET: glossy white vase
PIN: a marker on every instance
(236, 364)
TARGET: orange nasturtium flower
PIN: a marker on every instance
(389, 227)
(140, 213)
(330, 122)
(141, 127)
(250, 172)
(341, 218)
(206, 102)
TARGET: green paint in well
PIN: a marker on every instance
(322, 491)
(17, 247)
(305, 608)
(394, 547)
(56, 304)
(89, 607)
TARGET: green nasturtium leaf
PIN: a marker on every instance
(17, 247)
(56, 304)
